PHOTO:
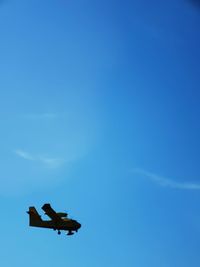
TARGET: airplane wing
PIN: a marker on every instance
(51, 213)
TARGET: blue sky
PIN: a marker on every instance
(99, 116)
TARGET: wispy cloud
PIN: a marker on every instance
(51, 162)
(166, 182)
(47, 161)
(24, 154)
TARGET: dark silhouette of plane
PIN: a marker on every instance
(59, 220)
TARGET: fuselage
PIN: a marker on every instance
(66, 224)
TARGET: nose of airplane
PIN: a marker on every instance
(78, 225)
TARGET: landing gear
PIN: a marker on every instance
(70, 233)
(59, 232)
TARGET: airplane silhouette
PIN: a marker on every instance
(59, 220)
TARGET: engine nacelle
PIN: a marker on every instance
(62, 214)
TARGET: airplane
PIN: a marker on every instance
(59, 220)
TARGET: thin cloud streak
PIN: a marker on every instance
(49, 162)
(24, 154)
(165, 182)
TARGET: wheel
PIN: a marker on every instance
(70, 233)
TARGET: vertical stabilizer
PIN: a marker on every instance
(34, 217)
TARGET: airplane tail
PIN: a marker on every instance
(34, 217)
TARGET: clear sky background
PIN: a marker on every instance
(99, 116)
